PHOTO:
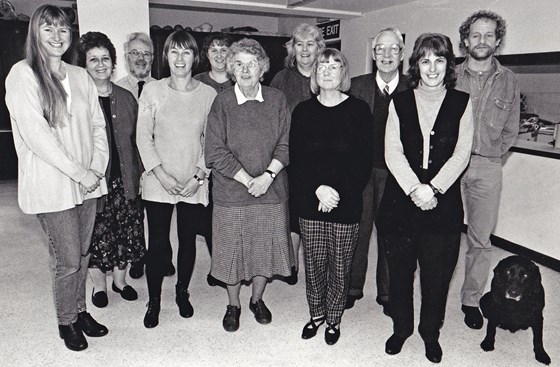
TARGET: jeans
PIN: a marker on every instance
(69, 237)
(159, 248)
(481, 186)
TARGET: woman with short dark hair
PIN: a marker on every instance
(427, 146)
(171, 122)
(118, 235)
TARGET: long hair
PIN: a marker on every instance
(439, 45)
(302, 29)
(51, 91)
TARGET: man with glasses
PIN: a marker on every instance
(139, 54)
(495, 97)
(376, 89)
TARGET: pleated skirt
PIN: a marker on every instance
(251, 241)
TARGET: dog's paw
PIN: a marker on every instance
(542, 356)
(487, 345)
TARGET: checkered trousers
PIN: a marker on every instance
(329, 248)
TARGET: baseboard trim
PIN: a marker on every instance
(537, 257)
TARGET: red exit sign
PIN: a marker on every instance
(330, 29)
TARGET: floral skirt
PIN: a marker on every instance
(118, 234)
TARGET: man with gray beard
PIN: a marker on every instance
(139, 54)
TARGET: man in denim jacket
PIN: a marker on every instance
(495, 96)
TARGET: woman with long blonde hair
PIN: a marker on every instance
(60, 139)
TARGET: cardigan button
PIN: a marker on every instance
(432, 132)
(430, 161)
(115, 116)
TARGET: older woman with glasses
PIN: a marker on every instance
(330, 154)
(427, 146)
(247, 149)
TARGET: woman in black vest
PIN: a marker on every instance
(427, 146)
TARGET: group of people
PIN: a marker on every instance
(315, 158)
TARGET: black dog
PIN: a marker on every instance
(515, 302)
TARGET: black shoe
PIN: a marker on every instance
(310, 329)
(89, 326)
(231, 318)
(73, 337)
(213, 282)
(136, 270)
(351, 299)
(385, 305)
(99, 299)
(293, 278)
(151, 319)
(332, 333)
(433, 352)
(394, 344)
(473, 317)
(182, 299)
(127, 292)
(170, 270)
(262, 313)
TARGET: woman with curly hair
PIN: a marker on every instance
(118, 234)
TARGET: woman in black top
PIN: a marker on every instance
(330, 155)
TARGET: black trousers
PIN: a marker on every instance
(159, 248)
(437, 255)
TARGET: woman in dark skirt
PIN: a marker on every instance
(118, 234)
(247, 149)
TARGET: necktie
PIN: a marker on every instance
(140, 86)
(386, 90)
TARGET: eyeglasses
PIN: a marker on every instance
(239, 66)
(332, 68)
(393, 49)
(136, 54)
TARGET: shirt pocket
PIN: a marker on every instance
(500, 113)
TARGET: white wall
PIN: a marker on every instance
(532, 26)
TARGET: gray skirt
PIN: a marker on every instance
(250, 241)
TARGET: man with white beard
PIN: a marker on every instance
(139, 54)
(494, 94)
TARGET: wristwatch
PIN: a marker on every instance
(200, 180)
(436, 191)
(272, 174)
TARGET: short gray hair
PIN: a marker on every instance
(140, 36)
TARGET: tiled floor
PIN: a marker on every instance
(29, 337)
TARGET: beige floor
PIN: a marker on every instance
(28, 330)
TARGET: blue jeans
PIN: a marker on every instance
(69, 236)
(481, 186)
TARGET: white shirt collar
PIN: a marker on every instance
(241, 97)
(392, 84)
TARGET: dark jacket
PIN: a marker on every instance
(364, 87)
(124, 114)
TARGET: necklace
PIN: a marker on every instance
(106, 92)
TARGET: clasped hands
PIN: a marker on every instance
(91, 181)
(259, 185)
(328, 198)
(174, 187)
(423, 197)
